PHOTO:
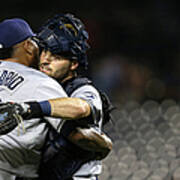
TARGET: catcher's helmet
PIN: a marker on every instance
(65, 35)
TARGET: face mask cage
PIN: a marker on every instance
(65, 34)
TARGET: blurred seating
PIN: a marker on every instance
(174, 122)
(119, 145)
(146, 142)
(131, 106)
(141, 174)
(166, 104)
(176, 174)
(171, 111)
(151, 133)
(105, 172)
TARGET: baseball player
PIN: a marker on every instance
(65, 52)
(20, 149)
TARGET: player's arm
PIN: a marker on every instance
(67, 108)
(91, 140)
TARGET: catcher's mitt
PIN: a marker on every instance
(10, 116)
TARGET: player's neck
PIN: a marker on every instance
(20, 55)
(70, 76)
(66, 79)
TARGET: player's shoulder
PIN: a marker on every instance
(88, 91)
(81, 84)
(30, 75)
(26, 71)
(87, 87)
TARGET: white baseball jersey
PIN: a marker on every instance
(91, 95)
(20, 151)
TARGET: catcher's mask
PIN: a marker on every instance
(65, 35)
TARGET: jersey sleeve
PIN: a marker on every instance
(91, 95)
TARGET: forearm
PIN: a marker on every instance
(91, 140)
(69, 108)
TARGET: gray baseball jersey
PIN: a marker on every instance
(20, 150)
(91, 95)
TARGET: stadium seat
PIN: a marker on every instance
(147, 146)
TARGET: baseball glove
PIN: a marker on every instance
(10, 117)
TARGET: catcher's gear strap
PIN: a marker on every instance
(71, 85)
(74, 83)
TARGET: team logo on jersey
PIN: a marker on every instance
(10, 79)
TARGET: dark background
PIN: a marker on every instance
(134, 44)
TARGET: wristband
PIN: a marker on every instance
(45, 107)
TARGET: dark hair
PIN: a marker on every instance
(6, 52)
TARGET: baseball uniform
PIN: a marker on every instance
(20, 149)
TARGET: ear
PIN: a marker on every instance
(74, 65)
(29, 46)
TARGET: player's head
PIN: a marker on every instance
(65, 45)
(16, 42)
